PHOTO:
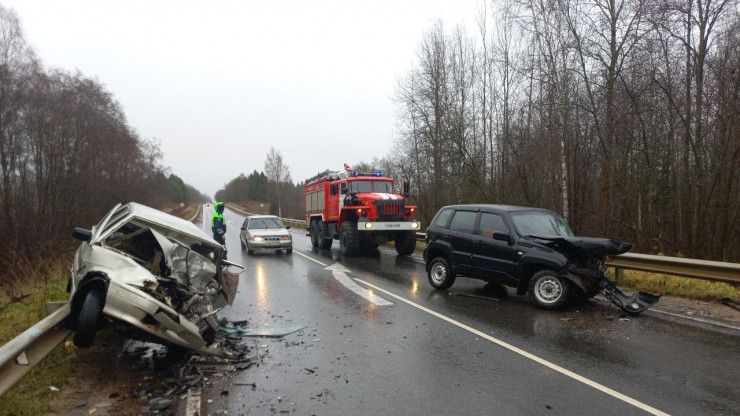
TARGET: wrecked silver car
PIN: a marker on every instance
(157, 272)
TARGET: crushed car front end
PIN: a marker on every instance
(586, 268)
(156, 272)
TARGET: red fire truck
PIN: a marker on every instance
(360, 210)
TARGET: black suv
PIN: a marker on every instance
(531, 249)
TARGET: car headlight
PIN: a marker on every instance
(257, 238)
(287, 237)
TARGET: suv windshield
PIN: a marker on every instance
(264, 223)
(542, 223)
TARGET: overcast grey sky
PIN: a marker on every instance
(218, 83)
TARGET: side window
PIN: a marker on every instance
(442, 218)
(246, 221)
(490, 223)
(333, 189)
(463, 221)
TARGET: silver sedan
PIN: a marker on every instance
(265, 232)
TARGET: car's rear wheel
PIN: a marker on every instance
(440, 275)
(87, 321)
(548, 290)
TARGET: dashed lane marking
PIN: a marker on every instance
(525, 354)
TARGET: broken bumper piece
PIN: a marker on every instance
(634, 304)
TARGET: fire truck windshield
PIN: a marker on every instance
(370, 186)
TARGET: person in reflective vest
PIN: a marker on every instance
(218, 223)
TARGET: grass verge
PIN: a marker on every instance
(662, 284)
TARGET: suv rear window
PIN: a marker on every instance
(463, 221)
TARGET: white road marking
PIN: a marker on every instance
(310, 258)
(525, 354)
(340, 273)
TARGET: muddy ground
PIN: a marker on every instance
(118, 376)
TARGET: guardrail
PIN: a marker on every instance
(23, 352)
(676, 266)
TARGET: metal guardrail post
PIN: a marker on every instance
(23, 352)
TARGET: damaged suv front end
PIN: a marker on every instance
(157, 272)
(584, 265)
(531, 249)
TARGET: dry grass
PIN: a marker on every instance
(32, 395)
(679, 286)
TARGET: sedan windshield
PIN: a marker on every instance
(265, 223)
(542, 223)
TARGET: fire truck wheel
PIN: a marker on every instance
(314, 232)
(405, 243)
(349, 239)
(323, 236)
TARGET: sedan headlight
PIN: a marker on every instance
(287, 237)
(257, 238)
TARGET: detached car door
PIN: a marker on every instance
(492, 257)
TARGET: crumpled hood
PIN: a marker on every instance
(588, 245)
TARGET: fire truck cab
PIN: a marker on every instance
(361, 210)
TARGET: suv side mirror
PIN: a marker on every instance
(287, 227)
(82, 234)
(498, 235)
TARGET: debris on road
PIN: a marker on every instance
(731, 303)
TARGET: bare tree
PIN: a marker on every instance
(278, 173)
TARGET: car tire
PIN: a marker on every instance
(440, 275)
(289, 251)
(324, 238)
(405, 243)
(87, 320)
(349, 239)
(249, 251)
(313, 231)
(548, 290)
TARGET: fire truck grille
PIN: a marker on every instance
(389, 210)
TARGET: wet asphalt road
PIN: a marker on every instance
(449, 353)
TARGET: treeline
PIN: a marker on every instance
(275, 187)
(622, 115)
(67, 156)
